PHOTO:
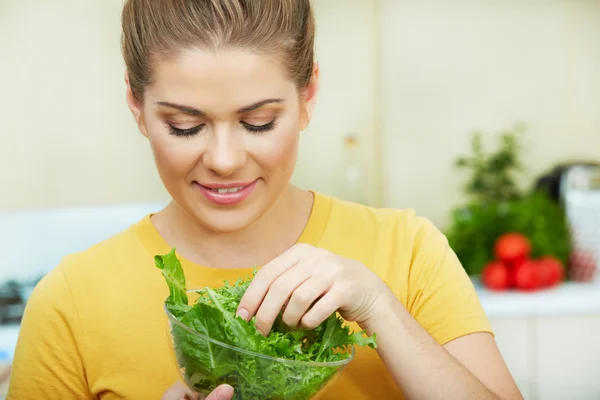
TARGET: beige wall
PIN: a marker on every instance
(449, 67)
(347, 53)
(412, 79)
(67, 135)
(71, 139)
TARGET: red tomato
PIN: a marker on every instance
(551, 270)
(512, 272)
(495, 276)
(512, 248)
(527, 276)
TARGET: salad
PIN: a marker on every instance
(213, 346)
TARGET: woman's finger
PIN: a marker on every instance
(303, 297)
(278, 295)
(256, 292)
(190, 394)
(322, 309)
(223, 392)
(179, 391)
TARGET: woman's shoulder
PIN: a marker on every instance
(414, 258)
(109, 253)
(379, 222)
(384, 239)
(107, 262)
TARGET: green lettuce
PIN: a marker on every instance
(206, 364)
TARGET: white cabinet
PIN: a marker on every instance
(567, 357)
(550, 339)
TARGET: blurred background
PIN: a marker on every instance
(483, 116)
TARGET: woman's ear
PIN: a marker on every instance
(135, 107)
(309, 96)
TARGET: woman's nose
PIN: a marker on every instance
(225, 153)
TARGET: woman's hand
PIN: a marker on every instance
(306, 276)
(181, 392)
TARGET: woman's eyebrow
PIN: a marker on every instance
(184, 109)
(199, 113)
(258, 105)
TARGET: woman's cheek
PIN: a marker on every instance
(281, 151)
(173, 156)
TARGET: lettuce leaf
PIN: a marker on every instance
(206, 364)
(177, 302)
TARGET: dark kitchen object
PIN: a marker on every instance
(13, 298)
(550, 182)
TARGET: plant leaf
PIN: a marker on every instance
(206, 365)
(177, 302)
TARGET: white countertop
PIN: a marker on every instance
(8, 339)
(570, 298)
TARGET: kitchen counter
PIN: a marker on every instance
(570, 298)
(567, 299)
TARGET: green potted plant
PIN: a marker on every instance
(497, 206)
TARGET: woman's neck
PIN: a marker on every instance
(277, 230)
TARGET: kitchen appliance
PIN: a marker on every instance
(13, 298)
(577, 187)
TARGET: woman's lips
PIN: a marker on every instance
(227, 194)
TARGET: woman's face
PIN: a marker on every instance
(224, 129)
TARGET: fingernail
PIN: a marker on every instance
(225, 393)
(243, 313)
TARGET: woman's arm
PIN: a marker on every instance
(437, 346)
(469, 367)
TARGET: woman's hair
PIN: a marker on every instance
(154, 29)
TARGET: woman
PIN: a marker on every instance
(222, 89)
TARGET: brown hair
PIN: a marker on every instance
(162, 28)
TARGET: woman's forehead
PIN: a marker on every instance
(230, 75)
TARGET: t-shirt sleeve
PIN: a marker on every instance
(441, 294)
(49, 357)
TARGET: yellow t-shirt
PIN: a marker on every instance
(94, 327)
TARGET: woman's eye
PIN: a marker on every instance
(196, 129)
(185, 132)
(259, 128)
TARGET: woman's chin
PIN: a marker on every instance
(227, 221)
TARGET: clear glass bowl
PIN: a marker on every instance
(206, 363)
